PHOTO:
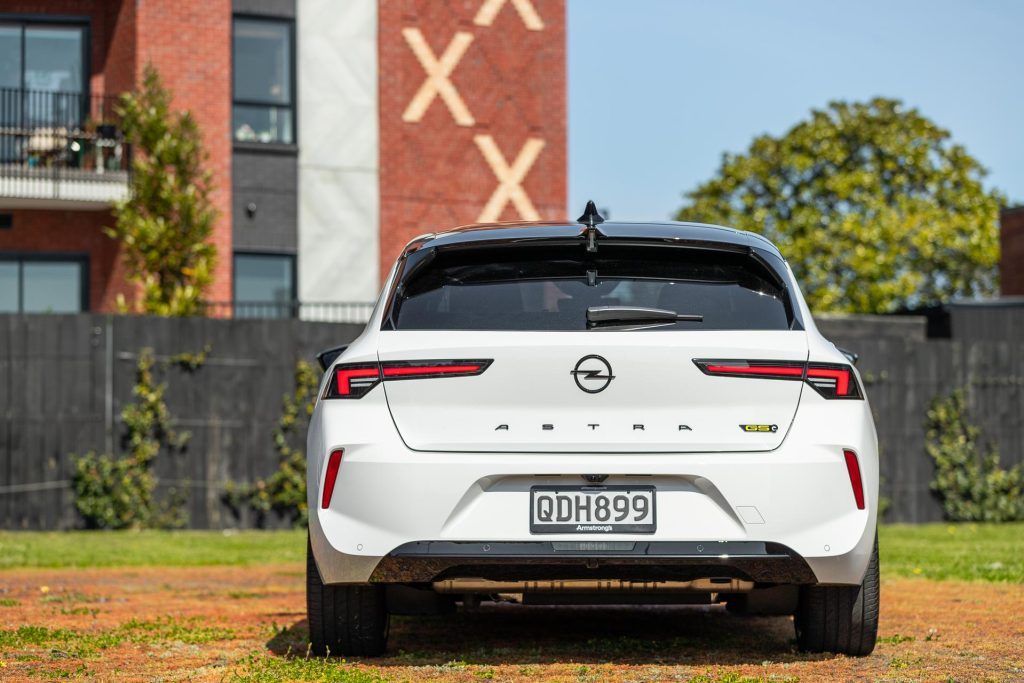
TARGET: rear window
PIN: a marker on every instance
(551, 288)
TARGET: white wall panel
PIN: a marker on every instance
(339, 196)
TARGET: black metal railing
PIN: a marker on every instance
(57, 144)
(315, 311)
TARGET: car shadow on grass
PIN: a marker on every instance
(513, 634)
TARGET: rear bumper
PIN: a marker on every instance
(403, 516)
(429, 561)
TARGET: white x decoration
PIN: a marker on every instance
(438, 71)
(510, 178)
(485, 15)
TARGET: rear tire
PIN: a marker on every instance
(841, 619)
(347, 621)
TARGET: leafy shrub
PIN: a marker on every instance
(968, 478)
(118, 493)
(112, 493)
(284, 491)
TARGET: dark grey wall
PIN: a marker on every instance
(268, 180)
(274, 8)
(853, 328)
(265, 176)
(992, 322)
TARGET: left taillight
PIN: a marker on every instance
(831, 380)
(355, 380)
(352, 380)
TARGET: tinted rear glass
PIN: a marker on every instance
(551, 288)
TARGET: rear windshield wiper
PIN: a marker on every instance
(609, 316)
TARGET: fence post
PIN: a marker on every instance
(108, 388)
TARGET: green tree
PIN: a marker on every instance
(165, 224)
(872, 204)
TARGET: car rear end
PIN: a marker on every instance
(524, 418)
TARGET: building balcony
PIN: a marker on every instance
(61, 150)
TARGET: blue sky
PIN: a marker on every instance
(658, 89)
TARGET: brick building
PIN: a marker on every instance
(336, 131)
(1011, 260)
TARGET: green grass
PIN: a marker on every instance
(167, 629)
(972, 552)
(72, 642)
(83, 644)
(969, 552)
(32, 635)
(733, 677)
(261, 668)
(20, 549)
(246, 595)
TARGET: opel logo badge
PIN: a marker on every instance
(593, 374)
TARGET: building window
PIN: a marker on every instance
(42, 73)
(264, 286)
(43, 284)
(263, 80)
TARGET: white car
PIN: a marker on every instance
(592, 413)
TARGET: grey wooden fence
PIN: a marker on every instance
(65, 379)
(903, 372)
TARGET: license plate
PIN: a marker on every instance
(592, 510)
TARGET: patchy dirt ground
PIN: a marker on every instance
(225, 623)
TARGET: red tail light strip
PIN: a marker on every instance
(777, 371)
(853, 468)
(331, 477)
(421, 369)
(355, 380)
(828, 379)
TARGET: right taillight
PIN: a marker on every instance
(831, 380)
(856, 483)
(331, 477)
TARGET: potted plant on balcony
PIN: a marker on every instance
(81, 145)
(103, 135)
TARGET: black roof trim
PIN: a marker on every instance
(680, 233)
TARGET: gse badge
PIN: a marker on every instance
(760, 428)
